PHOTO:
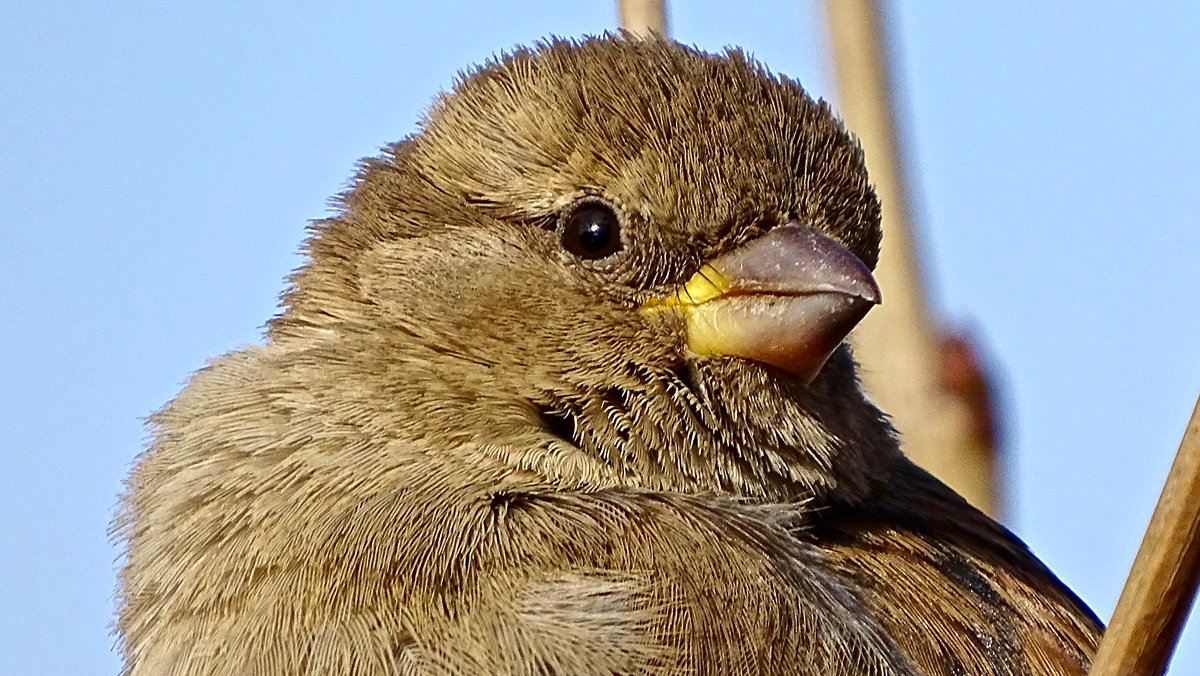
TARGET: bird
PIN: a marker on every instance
(563, 387)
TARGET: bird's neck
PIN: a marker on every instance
(720, 426)
(712, 426)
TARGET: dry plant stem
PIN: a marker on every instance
(642, 17)
(1162, 583)
(898, 344)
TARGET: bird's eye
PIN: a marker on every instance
(591, 229)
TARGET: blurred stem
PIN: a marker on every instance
(643, 17)
(902, 352)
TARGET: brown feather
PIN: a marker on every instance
(958, 592)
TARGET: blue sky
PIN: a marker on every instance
(159, 161)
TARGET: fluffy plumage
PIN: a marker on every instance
(464, 450)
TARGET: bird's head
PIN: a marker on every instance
(616, 261)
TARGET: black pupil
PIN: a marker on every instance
(592, 231)
(595, 231)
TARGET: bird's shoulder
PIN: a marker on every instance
(957, 591)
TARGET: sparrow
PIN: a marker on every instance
(562, 388)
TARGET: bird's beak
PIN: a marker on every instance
(787, 299)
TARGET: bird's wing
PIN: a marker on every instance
(959, 593)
